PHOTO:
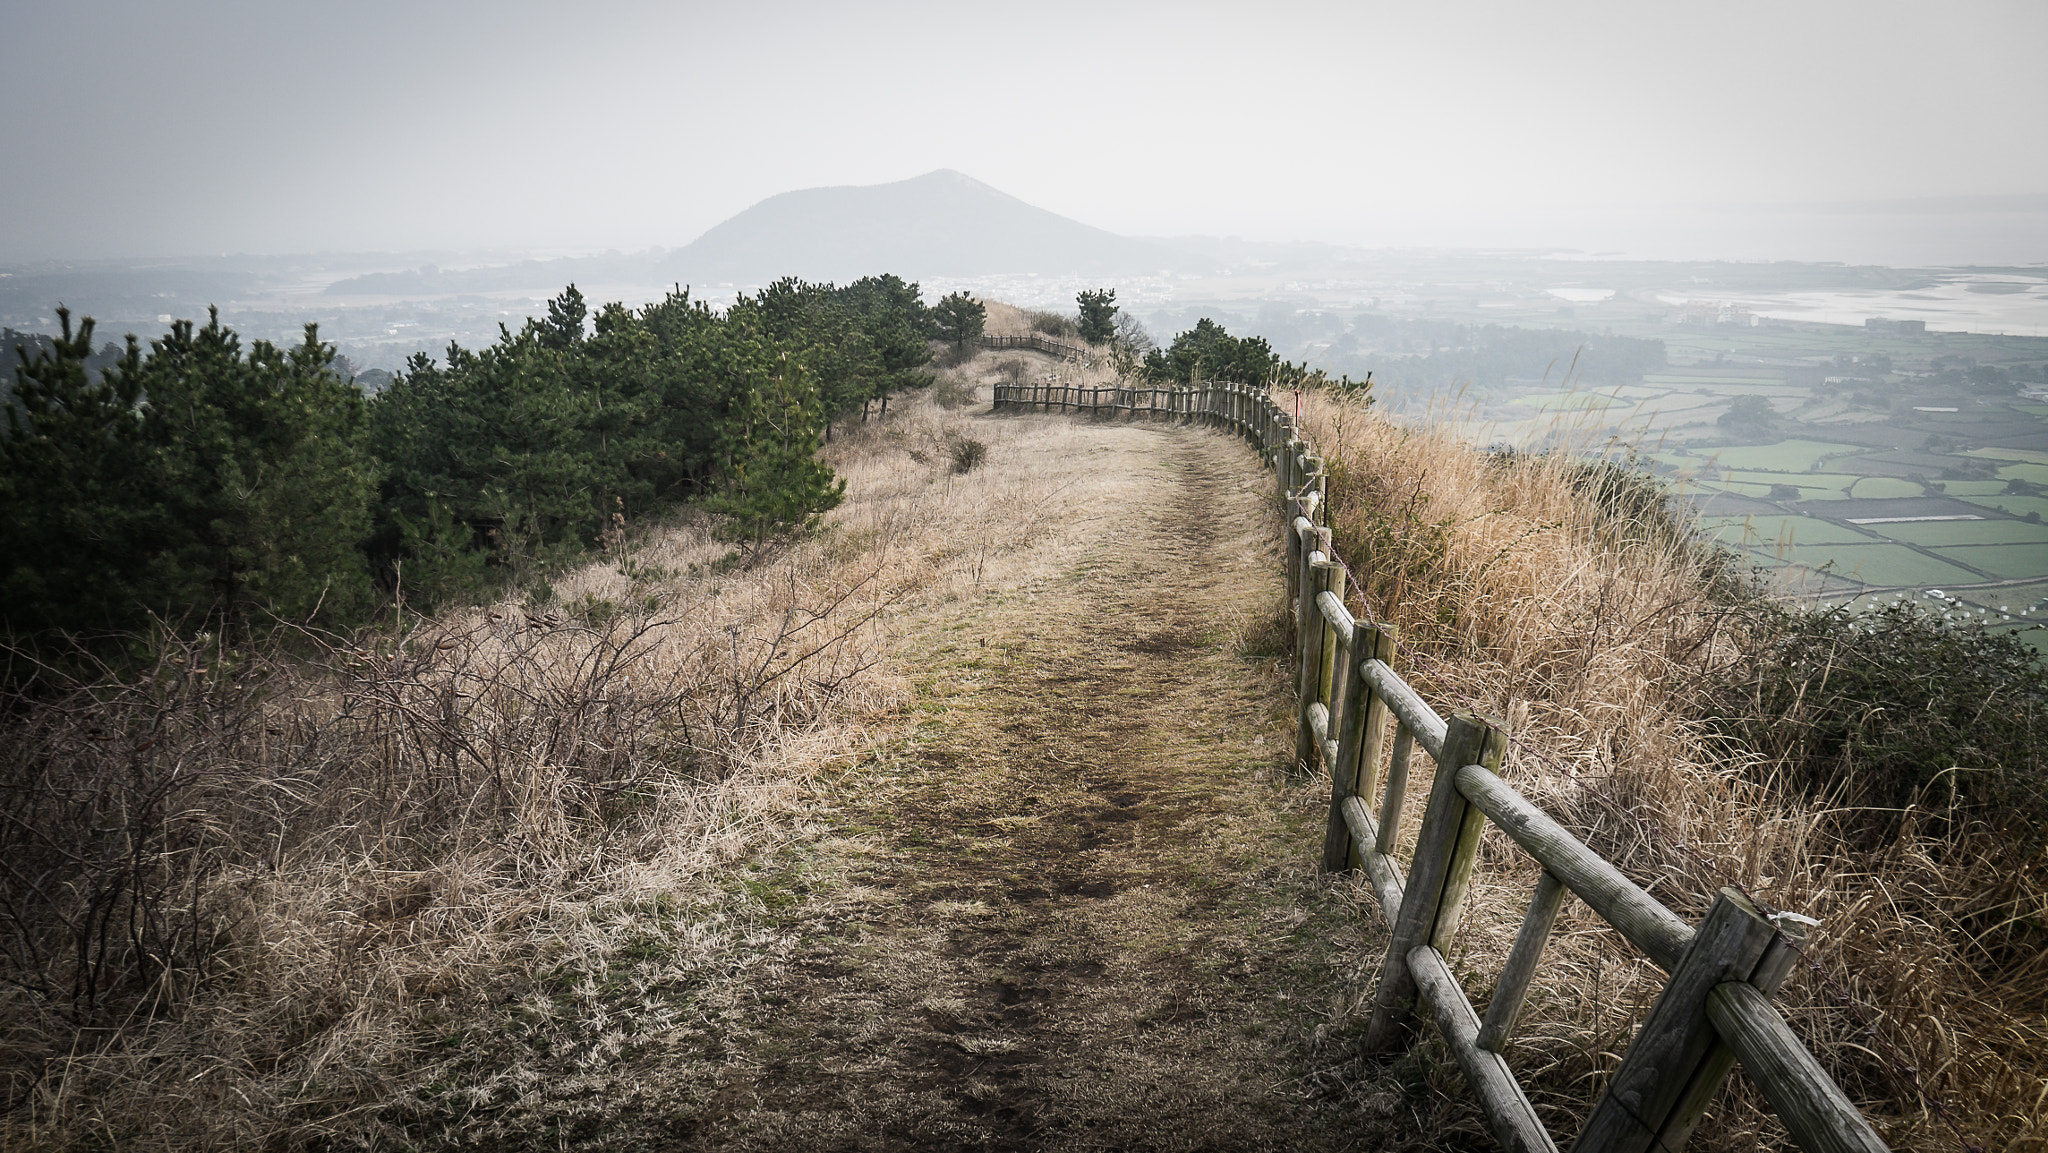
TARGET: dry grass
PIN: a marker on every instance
(1591, 638)
(302, 878)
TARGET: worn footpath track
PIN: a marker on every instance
(1075, 907)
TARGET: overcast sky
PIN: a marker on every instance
(1731, 129)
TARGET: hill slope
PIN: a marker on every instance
(938, 224)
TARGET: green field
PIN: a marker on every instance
(1884, 488)
(2020, 454)
(1785, 456)
(1760, 491)
(2032, 473)
(2016, 505)
(1971, 489)
(1950, 533)
(1883, 564)
(2004, 561)
(1766, 531)
(1570, 401)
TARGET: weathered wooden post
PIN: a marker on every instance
(1308, 645)
(1438, 875)
(1677, 1062)
(1358, 745)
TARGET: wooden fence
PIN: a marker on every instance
(1716, 1006)
(1039, 342)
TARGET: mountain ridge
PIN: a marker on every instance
(941, 224)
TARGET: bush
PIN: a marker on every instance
(967, 452)
(950, 391)
(1054, 325)
(1897, 707)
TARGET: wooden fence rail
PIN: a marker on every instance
(1715, 1008)
(1040, 343)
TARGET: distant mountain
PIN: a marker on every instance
(938, 224)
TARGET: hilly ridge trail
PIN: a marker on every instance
(1078, 908)
(1067, 899)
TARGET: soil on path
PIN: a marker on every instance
(1074, 907)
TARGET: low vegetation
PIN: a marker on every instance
(333, 887)
(1880, 774)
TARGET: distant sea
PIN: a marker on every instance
(2002, 303)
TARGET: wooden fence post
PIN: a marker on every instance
(1438, 875)
(1671, 1070)
(1308, 643)
(1358, 745)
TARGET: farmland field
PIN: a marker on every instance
(1784, 456)
(2004, 561)
(1868, 425)
(1938, 534)
(1885, 564)
(2031, 473)
(1803, 530)
(1883, 488)
(2016, 505)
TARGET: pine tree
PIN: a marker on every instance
(958, 319)
(74, 508)
(260, 466)
(1098, 315)
(774, 483)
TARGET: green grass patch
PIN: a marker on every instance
(1948, 533)
(1971, 489)
(2034, 456)
(1825, 485)
(1785, 456)
(1798, 530)
(2016, 505)
(1760, 491)
(1570, 401)
(1883, 488)
(2035, 473)
(1730, 384)
(2006, 562)
(1884, 564)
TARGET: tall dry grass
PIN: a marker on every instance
(1593, 635)
(259, 897)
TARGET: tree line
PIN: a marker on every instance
(202, 483)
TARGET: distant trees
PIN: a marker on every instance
(1748, 417)
(199, 482)
(212, 485)
(958, 319)
(1208, 352)
(1098, 315)
(526, 452)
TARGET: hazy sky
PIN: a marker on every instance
(1730, 128)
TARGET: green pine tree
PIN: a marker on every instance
(75, 510)
(774, 484)
(959, 319)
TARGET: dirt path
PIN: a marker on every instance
(1068, 902)
(1074, 907)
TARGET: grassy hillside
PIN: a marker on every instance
(1642, 686)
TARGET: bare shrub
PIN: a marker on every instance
(248, 871)
(1055, 325)
(951, 390)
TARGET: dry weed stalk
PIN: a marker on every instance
(1592, 635)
